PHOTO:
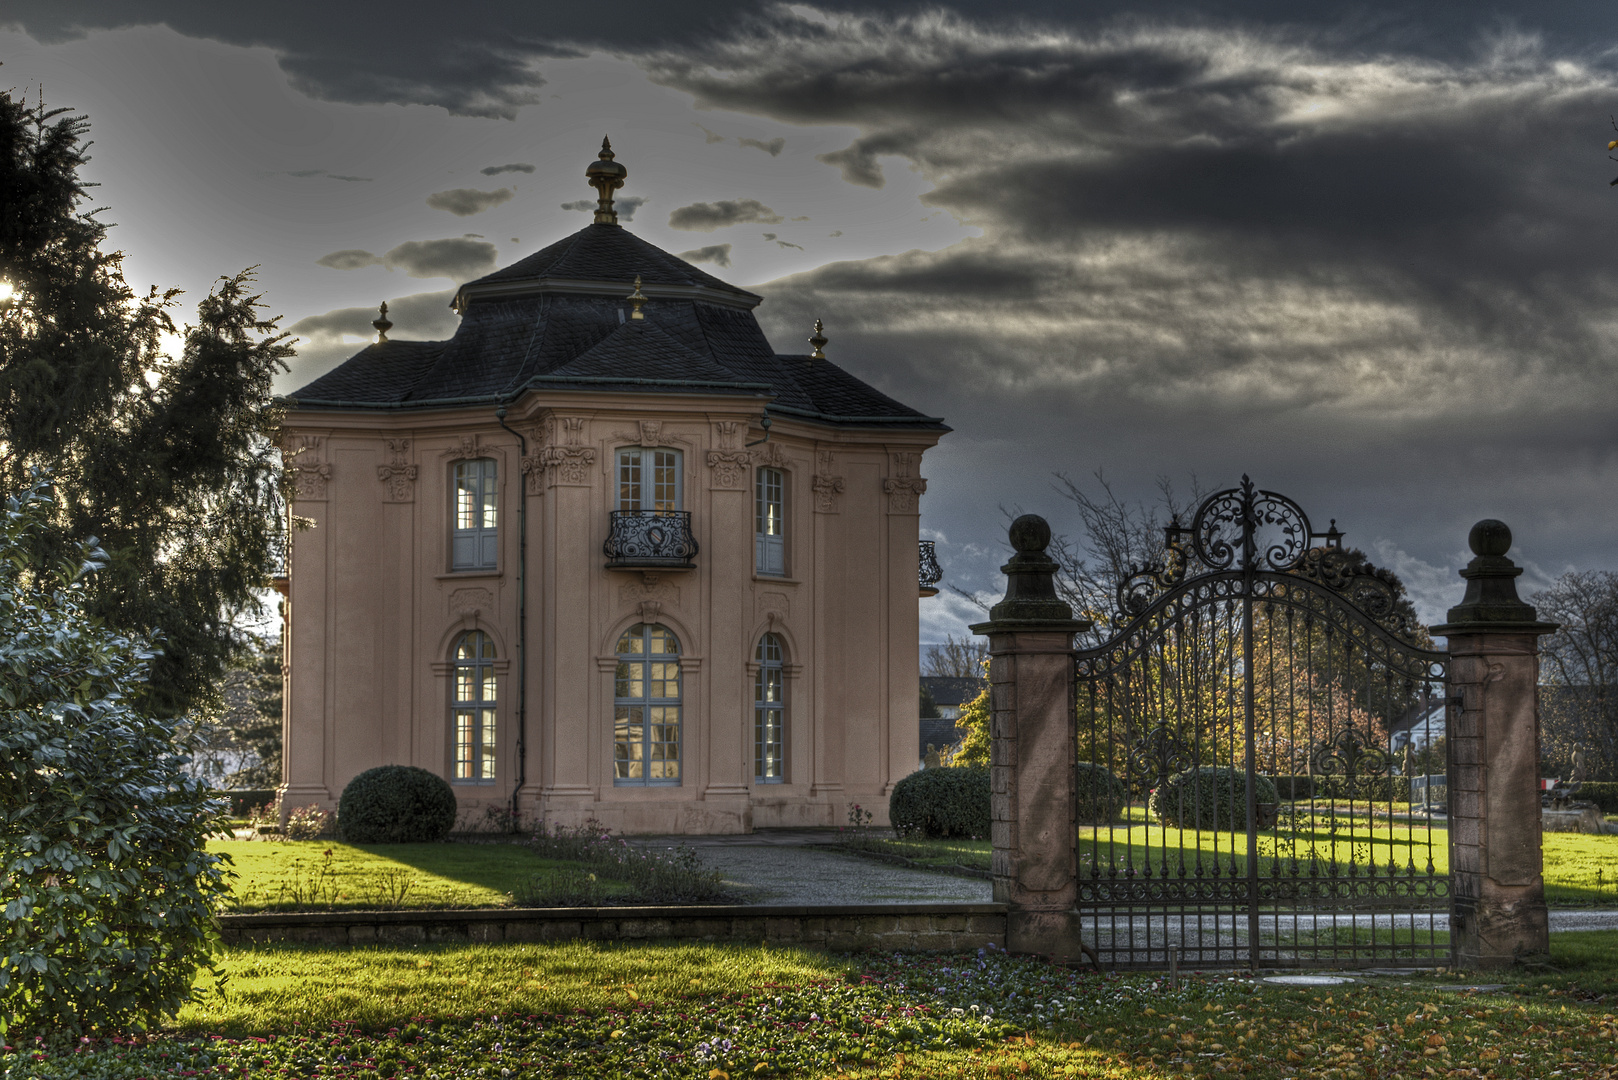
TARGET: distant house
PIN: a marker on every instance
(951, 694)
(1420, 725)
(605, 554)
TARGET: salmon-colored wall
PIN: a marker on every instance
(374, 609)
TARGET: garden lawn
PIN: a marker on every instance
(526, 1012)
(292, 875)
(1580, 870)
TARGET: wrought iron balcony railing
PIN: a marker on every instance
(650, 540)
(930, 573)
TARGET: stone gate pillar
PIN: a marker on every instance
(1032, 751)
(1497, 906)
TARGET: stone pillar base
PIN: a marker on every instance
(1045, 933)
(1498, 932)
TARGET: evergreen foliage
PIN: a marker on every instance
(1100, 795)
(171, 461)
(108, 889)
(396, 804)
(1209, 797)
(942, 803)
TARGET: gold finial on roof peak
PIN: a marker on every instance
(382, 324)
(818, 341)
(606, 176)
(637, 298)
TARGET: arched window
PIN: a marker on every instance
(474, 709)
(646, 707)
(769, 714)
(769, 521)
(473, 543)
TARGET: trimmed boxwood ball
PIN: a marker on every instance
(396, 804)
(1100, 794)
(1210, 797)
(942, 804)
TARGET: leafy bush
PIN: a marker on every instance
(1363, 788)
(245, 801)
(307, 823)
(1294, 788)
(1209, 797)
(671, 876)
(1100, 794)
(108, 889)
(396, 804)
(942, 803)
(1604, 795)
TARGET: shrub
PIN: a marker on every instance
(396, 804)
(1604, 795)
(245, 801)
(109, 889)
(1209, 797)
(670, 876)
(942, 803)
(1099, 793)
(1294, 788)
(307, 823)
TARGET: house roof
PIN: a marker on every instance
(951, 690)
(560, 320)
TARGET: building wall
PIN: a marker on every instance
(375, 609)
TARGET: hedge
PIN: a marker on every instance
(1603, 793)
(942, 803)
(1209, 797)
(1101, 795)
(245, 800)
(396, 804)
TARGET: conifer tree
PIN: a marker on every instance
(171, 461)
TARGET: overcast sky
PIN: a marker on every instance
(1365, 257)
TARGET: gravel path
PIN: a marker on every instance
(797, 866)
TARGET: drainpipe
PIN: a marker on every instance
(522, 622)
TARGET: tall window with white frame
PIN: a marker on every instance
(648, 479)
(769, 713)
(474, 545)
(769, 522)
(646, 707)
(474, 709)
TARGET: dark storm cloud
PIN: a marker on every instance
(459, 258)
(773, 147)
(782, 243)
(626, 205)
(464, 202)
(517, 166)
(706, 217)
(348, 259)
(718, 254)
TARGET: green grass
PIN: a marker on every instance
(707, 1012)
(291, 875)
(1580, 870)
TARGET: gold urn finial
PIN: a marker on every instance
(637, 298)
(606, 176)
(382, 325)
(819, 342)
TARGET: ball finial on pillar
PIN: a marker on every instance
(1489, 538)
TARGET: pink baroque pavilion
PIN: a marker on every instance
(605, 553)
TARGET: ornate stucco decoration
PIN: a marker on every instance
(468, 604)
(302, 456)
(725, 432)
(650, 433)
(729, 468)
(651, 589)
(399, 474)
(826, 486)
(465, 448)
(568, 459)
(904, 491)
(770, 455)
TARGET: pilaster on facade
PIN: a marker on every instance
(564, 457)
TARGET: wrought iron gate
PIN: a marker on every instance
(1237, 801)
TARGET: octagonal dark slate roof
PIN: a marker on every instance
(558, 320)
